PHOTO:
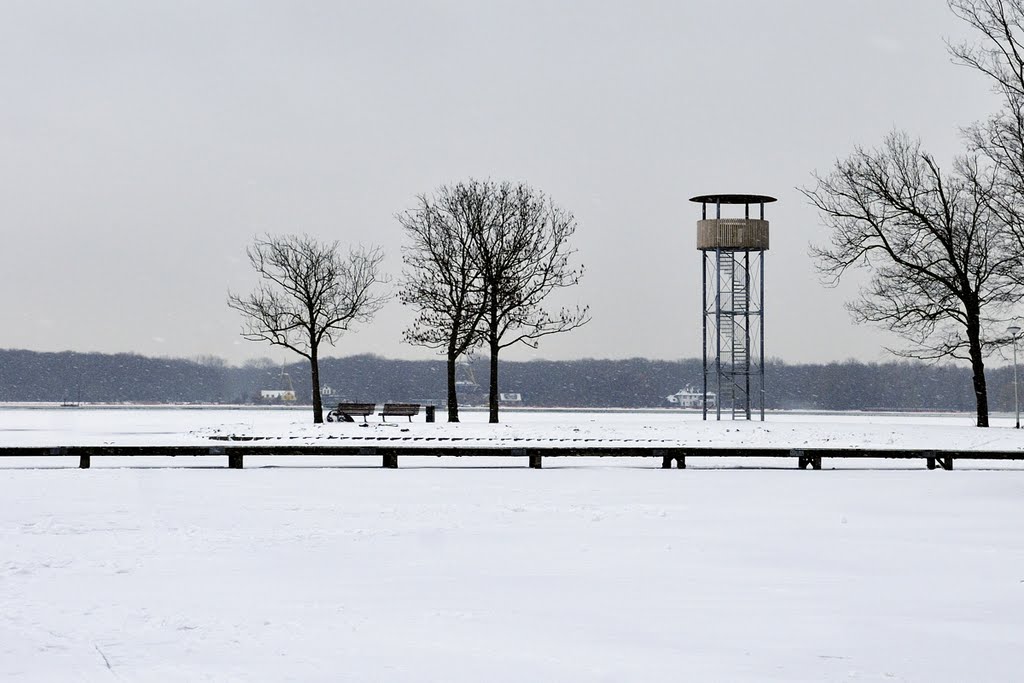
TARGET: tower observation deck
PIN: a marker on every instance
(732, 285)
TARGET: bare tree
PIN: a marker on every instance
(442, 277)
(933, 244)
(309, 294)
(523, 256)
(1000, 138)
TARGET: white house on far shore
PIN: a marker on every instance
(688, 397)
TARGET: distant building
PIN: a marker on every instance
(277, 394)
(286, 394)
(688, 397)
(510, 398)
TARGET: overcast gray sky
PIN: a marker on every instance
(143, 144)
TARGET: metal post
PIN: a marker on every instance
(746, 330)
(1013, 331)
(704, 323)
(718, 333)
(1016, 401)
(761, 361)
(718, 320)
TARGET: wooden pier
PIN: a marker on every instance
(533, 455)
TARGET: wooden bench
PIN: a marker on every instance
(345, 411)
(400, 410)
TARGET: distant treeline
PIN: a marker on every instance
(631, 383)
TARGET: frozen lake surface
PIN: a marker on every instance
(462, 570)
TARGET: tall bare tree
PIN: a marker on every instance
(309, 294)
(442, 276)
(933, 244)
(524, 256)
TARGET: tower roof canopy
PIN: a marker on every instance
(733, 199)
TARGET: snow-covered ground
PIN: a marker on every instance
(186, 425)
(317, 570)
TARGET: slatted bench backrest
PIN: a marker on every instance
(401, 409)
(356, 408)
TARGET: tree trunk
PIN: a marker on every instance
(492, 393)
(977, 366)
(318, 406)
(453, 398)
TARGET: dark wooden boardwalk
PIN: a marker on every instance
(533, 454)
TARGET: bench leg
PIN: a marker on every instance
(84, 461)
(235, 461)
(391, 462)
(535, 462)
